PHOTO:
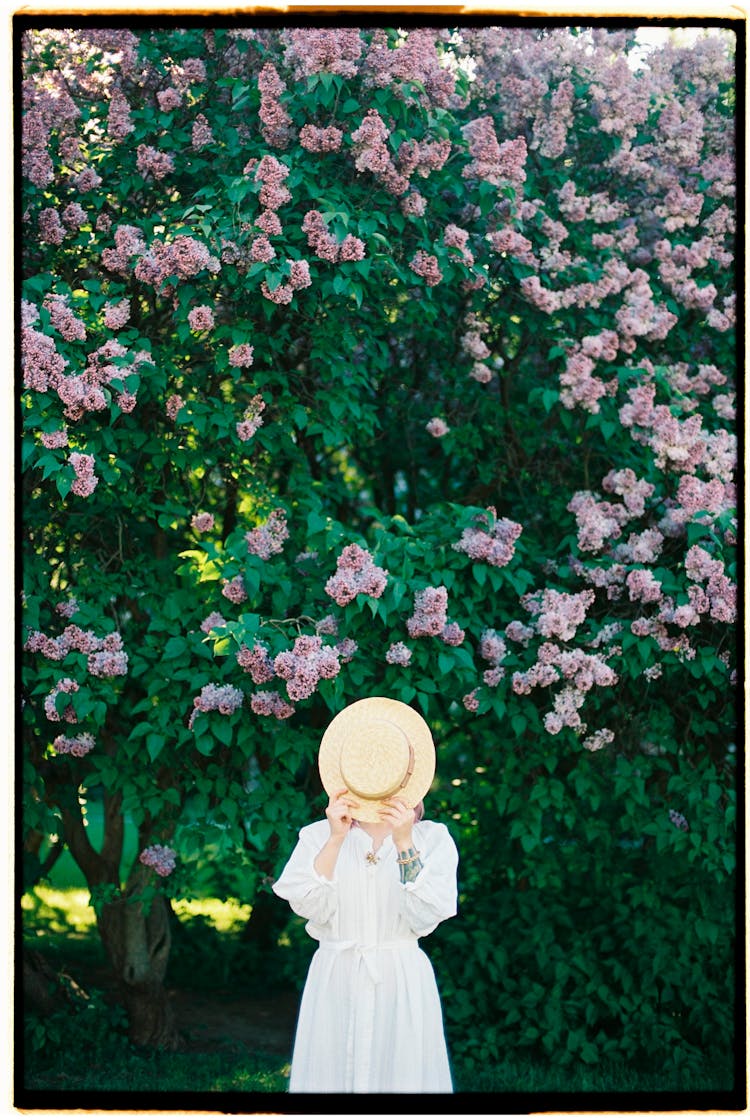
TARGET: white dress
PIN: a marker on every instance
(370, 1019)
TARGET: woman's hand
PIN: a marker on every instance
(338, 813)
(400, 817)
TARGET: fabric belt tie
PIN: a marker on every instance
(366, 953)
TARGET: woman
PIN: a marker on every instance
(371, 879)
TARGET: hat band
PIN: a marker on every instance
(391, 791)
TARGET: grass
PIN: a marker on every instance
(122, 1069)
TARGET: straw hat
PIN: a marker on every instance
(377, 748)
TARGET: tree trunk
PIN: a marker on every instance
(137, 941)
(136, 936)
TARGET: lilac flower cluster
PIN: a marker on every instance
(252, 418)
(398, 654)
(159, 858)
(201, 318)
(182, 259)
(426, 265)
(66, 685)
(269, 703)
(315, 50)
(202, 522)
(223, 698)
(276, 124)
(302, 667)
(437, 427)
(202, 133)
(79, 746)
(85, 481)
(430, 615)
(234, 590)
(213, 621)
(678, 820)
(558, 614)
(495, 543)
(241, 356)
(325, 245)
(62, 318)
(150, 161)
(493, 649)
(356, 574)
(257, 662)
(267, 539)
(116, 315)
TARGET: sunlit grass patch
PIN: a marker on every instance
(58, 911)
(227, 916)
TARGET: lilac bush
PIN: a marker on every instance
(424, 342)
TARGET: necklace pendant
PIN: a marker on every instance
(372, 858)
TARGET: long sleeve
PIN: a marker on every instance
(309, 894)
(432, 896)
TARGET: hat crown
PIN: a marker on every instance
(377, 761)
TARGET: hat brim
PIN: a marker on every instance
(345, 726)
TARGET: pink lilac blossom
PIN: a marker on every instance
(327, 624)
(281, 295)
(251, 418)
(565, 711)
(182, 259)
(63, 320)
(202, 133)
(234, 590)
(241, 356)
(452, 634)
(430, 613)
(223, 698)
(643, 586)
(85, 481)
(299, 274)
(119, 121)
(67, 686)
(305, 665)
(74, 216)
(492, 648)
(50, 227)
(518, 632)
(67, 608)
(116, 315)
(173, 406)
(426, 266)
(678, 820)
(54, 439)
(150, 161)
(640, 548)
(129, 242)
(268, 221)
(270, 704)
(29, 313)
(599, 739)
(262, 250)
(314, 139)
(202, 522)
(159, 858)
(356, 574)
(201, 318)
(271, 173)
(346, 649)
(652, 672)
(495, 543)
(314, 50)
(398, 654)
(276, 124)
(558, 614)
(169, 99)
(87, 180)
(437, 427)
(213, 621)
(471, 701)
(257, 662)
(79, 746)
(108, 662)
(267, 539)
(598, 522)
